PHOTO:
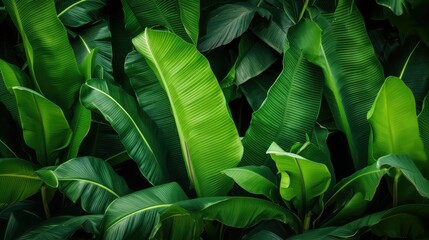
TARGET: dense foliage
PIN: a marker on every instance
(177, 119)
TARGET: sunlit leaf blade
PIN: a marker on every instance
(96, 36)
(11, 76)
(256, 180)
(50, 58)
(143, 14)
(228, 22)
(292, 104)
(133, 215)
(352, 72)
(302, 179)
(396, 6)
(18, 180)
(423, 121)
(208, 137)
(154, 101)
(409, 169)
(136, 130)
(394, 123)
(63, 227)
(76, 13)
(92, 181)
(45, 127)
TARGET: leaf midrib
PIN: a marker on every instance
(12, 175)
(70, 7)
(90, 182)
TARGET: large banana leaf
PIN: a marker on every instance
(18, 180)
(92, 181)
(352, 72)
(63, 227)
(227, 23)
(394, 126)
(423, 121)
(133, 216)
(45, 127)
(409, 169)
(180, 17)
(76, 13)
(154, 101)
(136, 130)
(209, 139)
(50, 58)
(292, 104)
(302, 180)
(256, 180)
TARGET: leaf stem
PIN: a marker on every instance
(303, 9)
(307, 221)
(45, 202)
(408, 59)
(395, 187)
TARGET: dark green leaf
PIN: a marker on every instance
(76, 13)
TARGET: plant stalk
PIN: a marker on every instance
(395, 187)
(45, 202)
(307, 221)
(301, 14)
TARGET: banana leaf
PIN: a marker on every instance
(396, 6)
(208, 137)
(394, 126)
(45, 127)
(290, 110)
(154, 101)
(423, 121)
(137, 132)
(18, 180)
(76, 13)
(180, 17)
(352, 72)
(19, 222)
(50, 58)
(91, 181)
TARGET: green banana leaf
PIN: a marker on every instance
(19, 222)
(423, 121)
(133, 215)
(208, 137)
(348, 209)
(254, 57)
(409, 169)
(227, 22)
(137, 132)
(256, 89)
(76, 13)
(394, 126)
(45, 127)
(95, 36)
(352, 72)
(91, 181)
(63, 227)
(154, 101)
(180, 17)
(302, 180)
(264, 234)
(18, 180)
(292, 104)
(11, 76)
(396, 6)
(81, 121)
(256, 180)
(24, 205)
(50, 58)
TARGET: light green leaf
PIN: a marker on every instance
(208, 137)
(256, 180)
(154, 101)
(134, 215)
(180, 17)
(45, 127)
(63, 227)
(228, 22)
(50, 58)
(352, 72)
(409, 169)
(92, 181)
(137, 132)
(290, 110)
(394, 123)
(18, 180)
(302, 179)
(76, 13)
(423, 121)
